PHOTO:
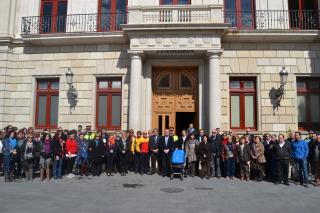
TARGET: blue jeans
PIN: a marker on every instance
(229, 167)
(301, 164)
(57, 167)
(7, 163)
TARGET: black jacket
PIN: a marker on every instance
(23, 150)
(281, 153)
(57, 149)
(96, 151)
(181, 144)
(205, 150)
(153, 143)
(245, 157)
(216, 145)
(120, 146)
(312, 147)
(163, 146)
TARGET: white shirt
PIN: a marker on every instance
(1, 146)
(281, 144)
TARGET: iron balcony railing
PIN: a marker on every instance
(273, 19)
(75, 23)
(246, 20)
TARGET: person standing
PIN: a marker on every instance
(205, 156)
(111, 149)
(281, 152)
(191, 153)
(9, 145)
(71, 150)
(45, 156)
(216, 146)
(123, 147)
(82, 155)
(58, 150)
(229, 155)
(17, 160)
(270, 166)
(300, 153)
(154, 151)
(315, 159)
(243, 157)
(136, 151)
(27, 156)
(166, 147)
(144, 156)
(96, 153)
(258, 159)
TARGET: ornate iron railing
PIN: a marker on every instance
(273, 19)
(75, 23)
(249, 20)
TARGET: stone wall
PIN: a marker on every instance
(26, 64)
(265, 60)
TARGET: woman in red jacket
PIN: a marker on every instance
(71, 149)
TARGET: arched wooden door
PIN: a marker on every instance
(175, 95)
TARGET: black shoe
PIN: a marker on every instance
(276, 183)
(306, 185)
(286, 183)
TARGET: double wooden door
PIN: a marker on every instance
(175, 90)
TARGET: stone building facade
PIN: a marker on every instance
(143, 64)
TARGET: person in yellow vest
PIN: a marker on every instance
(144, 156)
(135, 149)
(89, 134)
(172, 134)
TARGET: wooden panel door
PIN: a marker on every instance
(163, 121)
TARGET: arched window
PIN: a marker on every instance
(164, 82)
(185, 81)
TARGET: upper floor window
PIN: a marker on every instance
(47, 103)
(308, 102)
(240, 13)
(53, 16)
(174, 2)
(112, 13)
(303, 14)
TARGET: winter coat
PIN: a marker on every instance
(245, 157)
(300, 149)
(71, 146)
(192, 149)
(281, 153)
(258, 152)
(226, 148)
(205, 151)
(96, 150)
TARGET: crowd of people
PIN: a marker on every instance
(26, 154)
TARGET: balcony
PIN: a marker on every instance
(237, 20)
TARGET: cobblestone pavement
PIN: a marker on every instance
(135, 193)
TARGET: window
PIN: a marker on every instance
(112, 13)
(243, 103)
(164, 82)
(308, 102)
(53, 16)
(240, 13)
(303, 14)
(47, 103)
(109, 96)
(185, 81)
(174, 2)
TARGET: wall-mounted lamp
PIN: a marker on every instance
(283, 80)
(72, 93)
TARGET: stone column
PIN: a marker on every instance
(214, 98)
(135, 90)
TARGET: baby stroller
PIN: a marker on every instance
(177, 163)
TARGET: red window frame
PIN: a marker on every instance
(308, 91)
(53, 25)
(109, 91)
(113, 13)
(239, 13)
(174, 2)
(48, 93)
(242, 92)
(301, 15)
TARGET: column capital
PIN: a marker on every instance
(214, 53)
(135, 53)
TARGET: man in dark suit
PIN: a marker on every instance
(166, 147)
(154, 141)
(216, 148)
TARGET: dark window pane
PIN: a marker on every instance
(102, 112)
(42, 111)
(302, 115)
(246, 14)
(43, 85)
(55, 85)
(314, 84)
(61, 19)
(231, 15)
(167, 2)
(160, 123)
(120, 13)
(249, 84)
(183, 2)
(301, 84)
(185, 82)
(54, 110)
(315, 109)
(164, 81)
(105, 17)
(116, 110)
(167, 122)
(47, 17)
